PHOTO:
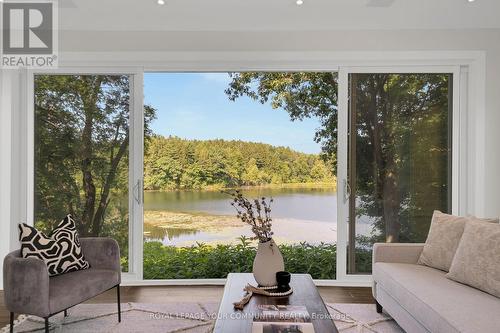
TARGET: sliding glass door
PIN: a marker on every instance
(82, 159)
(398, 158)
(371, 170)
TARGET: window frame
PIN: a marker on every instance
(136, 147)
(457, 150)
(471, 96)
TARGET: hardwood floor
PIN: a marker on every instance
(159, 294)
(346, 295)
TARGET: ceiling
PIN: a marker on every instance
(271, 15)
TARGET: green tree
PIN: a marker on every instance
(174, 164)
(395, 115)
(302, 94)
(402, 131)
(81, 149)
(252, 173)
(320, 172)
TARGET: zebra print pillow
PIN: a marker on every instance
(61, 251)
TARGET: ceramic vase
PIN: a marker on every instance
(267, 262)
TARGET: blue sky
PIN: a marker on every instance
(194, 106)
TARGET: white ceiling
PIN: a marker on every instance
(269, 15)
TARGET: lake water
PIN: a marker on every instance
(299, 215)
(308, 204)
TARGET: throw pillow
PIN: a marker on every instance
(61, 251)
(442, 242)
(443, 239)
(477, 261)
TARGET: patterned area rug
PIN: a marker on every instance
(186, 318)
(362, 318)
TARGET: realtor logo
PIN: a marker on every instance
(29, 36)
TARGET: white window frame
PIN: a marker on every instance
(458, 146)
(466, 127)
(136, 155)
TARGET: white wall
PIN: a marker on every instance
(12, 163)
(4, 171)
(5, 165)
(486, 176)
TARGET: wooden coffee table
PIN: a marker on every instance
(305, 294)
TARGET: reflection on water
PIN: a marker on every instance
(178, 237)
(154, 232)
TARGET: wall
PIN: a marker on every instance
(484, 155)
(5, 144)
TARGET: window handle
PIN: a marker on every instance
(347, 190)
(138, 192)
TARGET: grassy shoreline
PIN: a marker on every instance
(214, 188)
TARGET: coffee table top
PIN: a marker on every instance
(304, 293)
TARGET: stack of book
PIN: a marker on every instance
(282, 319)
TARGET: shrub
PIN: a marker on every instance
(203, 261)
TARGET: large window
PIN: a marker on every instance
(81, 154)
(155, 175)
(268, 135)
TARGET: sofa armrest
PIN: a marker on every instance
(404, 253)
(26, 285)
(101, 253)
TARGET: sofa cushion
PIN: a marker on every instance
(73, 288)
(439, 304)
(477, 261)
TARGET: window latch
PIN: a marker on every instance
(347, 190)
(138, 192)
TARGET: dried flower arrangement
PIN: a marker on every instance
(256, 213)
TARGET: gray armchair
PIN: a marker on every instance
(28, 289)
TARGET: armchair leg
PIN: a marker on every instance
(118, 301)
(12, 322)
(379, 307)
(47, 325)
(66, 313)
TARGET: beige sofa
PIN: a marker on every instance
(422, 299)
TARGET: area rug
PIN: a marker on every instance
(185, 318)
(362, 318)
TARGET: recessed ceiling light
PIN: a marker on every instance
(471, 0)
(299, 2)
(161, 2)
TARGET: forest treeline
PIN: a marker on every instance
(172, 163)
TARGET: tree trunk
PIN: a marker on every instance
(87, 179)
(98, 219)
(386, 177)
(89, 99)
(391, 206)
